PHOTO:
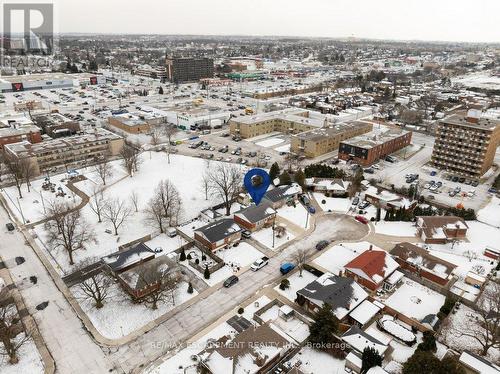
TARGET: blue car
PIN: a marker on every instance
(311, 209)
(286, 267)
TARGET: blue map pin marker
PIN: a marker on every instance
(257, 182)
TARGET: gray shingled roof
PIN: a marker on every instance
(121, 259)
(218, 230)
(256, 213)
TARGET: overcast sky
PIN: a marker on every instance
(448, 20)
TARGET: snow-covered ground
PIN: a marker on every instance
(270, 142)
(296, 283)
(265, 237)
(395, 228)
(120, 316)
(297, 215)
(283, 148)
(334, 204)
(317, 362)
(479, 80)
(490, 213)
(166, 243)
(30, 361)
(334, 258)
(459, 322)
(415, 300)
(31, 205)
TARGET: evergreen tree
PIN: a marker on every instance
(300, 178)
(324, 326)
(285, 178)
(182, 257)
(370, 358)
(206, 273)
(190, 288)
(428, 343)
(274, 172)
(160, 90)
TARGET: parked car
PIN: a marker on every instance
(355, 201)
(364, 204)
(232, 280)
(260, 263)
(286, 267)
(369, 171)
(461, 180)
(475, 183)
(10, 226)
(304, 199)
(454, 179)
(311, 209)
(492, 190)
(361, 219)
(246, 233)
(322, 244)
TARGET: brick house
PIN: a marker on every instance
(372, 268)
(255, 217)
(331, 187)
(279, 196)
(441, 229)
(218, 234)
(420, 262)
(121, 261)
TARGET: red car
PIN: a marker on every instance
(361, 219)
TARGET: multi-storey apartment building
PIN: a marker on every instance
(189, 69)
(69, 152)
(367, 149)
(465, 145)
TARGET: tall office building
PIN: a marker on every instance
(189, 69)
(465, 145)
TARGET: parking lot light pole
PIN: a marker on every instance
(274, 226)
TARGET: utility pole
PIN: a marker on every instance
(274, 226)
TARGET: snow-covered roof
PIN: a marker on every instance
(373, 265)
(359, 340)
(364, 312)
(478, 364)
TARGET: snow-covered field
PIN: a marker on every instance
(184, 172)
(30, 206)
(120, 316)
(30, 361)
(415, 300)
(478, 80)
(395, 228)
(490, 213)
(334, 204)
(334, 258)
(296, 283)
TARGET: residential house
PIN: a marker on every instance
(279, 196)
(342, 294)
(388, 200)
(441, 229)
(358, 340)
(123, 260)
(218, 234)
(420, 262)
(365, 313)
(255, 217)
(331, 187)
(372, 269)
(475, 364)
(253, 350)
(146, 277)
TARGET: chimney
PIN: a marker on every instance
(371, 247)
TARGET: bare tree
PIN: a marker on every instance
(97, 203)
(27, 171)
(167, 280)
(66, 229)
(104, 169)
(10, 329)
(117, 212)
(156, 134)
(225, 181)
(205, 184)
(170, 131)
(96, 287)
(14, 169)
(130, 157)
(300, 258)
(165, 206)
(134, 198)
(485, 329)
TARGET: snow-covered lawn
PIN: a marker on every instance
(270, 142)
(297, 215)
(30, 361)
(459, 322)
(317, 362)
(120, 316)
(166, 243)
(94, 181)
(395, 228)
(490, 213)
(242, 255)
(265, 237)
(334, 204)
(334, 258)
(415, 300)
(296, 283)
(30, 206)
